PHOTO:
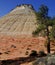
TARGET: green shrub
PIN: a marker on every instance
(42, 53)
(33, 53)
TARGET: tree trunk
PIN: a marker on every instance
(48, 41)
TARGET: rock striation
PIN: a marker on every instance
(20, 21)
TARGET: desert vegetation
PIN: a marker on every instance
(46, 24)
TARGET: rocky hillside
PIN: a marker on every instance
(21, 20)
(16, 41)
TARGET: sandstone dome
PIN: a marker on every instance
(19, 21)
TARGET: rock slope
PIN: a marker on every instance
(21, 20)
(16, 35)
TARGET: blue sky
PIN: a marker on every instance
(7, 5)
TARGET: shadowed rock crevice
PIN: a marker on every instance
(17, 61)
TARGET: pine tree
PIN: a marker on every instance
(44, 23)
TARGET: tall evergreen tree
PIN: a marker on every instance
(44, 23)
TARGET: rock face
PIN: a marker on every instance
(20, 21)
(49, 60)
(17, 61)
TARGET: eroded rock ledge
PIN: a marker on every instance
(17, 61)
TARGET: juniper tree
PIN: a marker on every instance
(44, 23)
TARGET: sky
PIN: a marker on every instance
(7, 5)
